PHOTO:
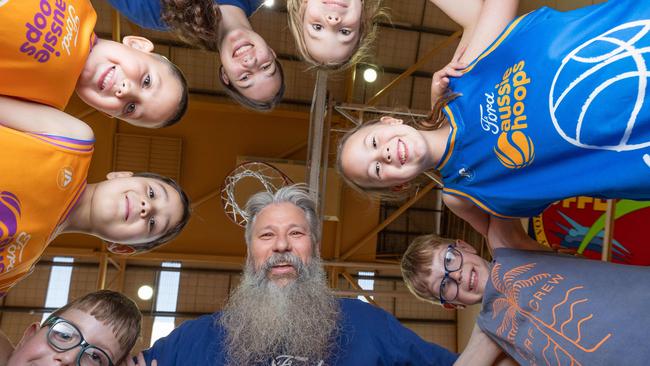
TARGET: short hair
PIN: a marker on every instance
(114, 310)
(416, 265)
(296, 194)
(371, 14)
(184, 101)
(173, 231)
(255, 105)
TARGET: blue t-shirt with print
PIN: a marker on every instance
(147, 13)
(368, 336)
(549, 309)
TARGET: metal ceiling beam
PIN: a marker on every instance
(388, 220)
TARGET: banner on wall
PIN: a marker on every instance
(577, 225)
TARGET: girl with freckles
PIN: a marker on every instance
(532, 110)
(334, 34)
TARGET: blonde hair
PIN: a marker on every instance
(370, 15)
(416, 265)
(435, 120)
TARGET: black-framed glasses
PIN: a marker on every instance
(64, 336)
(452, 261)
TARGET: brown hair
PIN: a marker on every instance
(194, 21)
(113, 309)
(370, 15)
(183, 102)
(416, 265)
(435, 120)
(250, 103)
(173, 231)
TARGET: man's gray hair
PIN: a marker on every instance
(297, 194)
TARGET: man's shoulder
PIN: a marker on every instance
(354, 305)
(358, 313)
(207, 322)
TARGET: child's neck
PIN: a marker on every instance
(437, 143)
(79, 220)
(232, 18)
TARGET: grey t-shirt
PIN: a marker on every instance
(549, 309)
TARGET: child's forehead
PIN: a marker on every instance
(96, 332)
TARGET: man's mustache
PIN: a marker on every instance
(283, 258)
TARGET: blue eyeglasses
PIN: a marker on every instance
(452, 262)
(64, 336)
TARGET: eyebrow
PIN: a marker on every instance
(166, 226)
(162, 187)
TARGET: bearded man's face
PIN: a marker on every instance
(280, 228)
(282, 308)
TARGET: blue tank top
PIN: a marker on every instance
(554, 108)
(147, 13)
(548, 309)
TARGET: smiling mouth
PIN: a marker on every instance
(128, 209)
(242, 49)
(402, 152)
(106, 80)
(282, 268)
(472, 280)
(341, 4)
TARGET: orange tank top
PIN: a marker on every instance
(44, 47)
(41, 178)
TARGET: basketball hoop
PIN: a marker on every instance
(245, 180)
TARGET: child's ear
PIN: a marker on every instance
(465, 246)
(113, 175)
(391, 120)
(223, 75)
(449, 306)
(139, 43)
(120, 249)
(28, 334)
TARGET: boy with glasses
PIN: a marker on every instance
(98, 329)
(537, 306)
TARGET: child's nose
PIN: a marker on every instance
(124, 88)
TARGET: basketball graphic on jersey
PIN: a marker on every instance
(514, 150)
(9, 215)
(604, 80)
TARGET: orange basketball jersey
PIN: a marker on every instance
(44, 47)
(41, 178)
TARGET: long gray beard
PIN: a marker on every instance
(263, 321)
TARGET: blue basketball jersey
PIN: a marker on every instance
(554, 108)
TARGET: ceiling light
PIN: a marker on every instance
(370, 75)
(269, 3)
(145, 292)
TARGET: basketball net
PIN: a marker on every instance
(258, 176)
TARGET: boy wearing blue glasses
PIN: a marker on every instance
(538, 307)
(98, 329)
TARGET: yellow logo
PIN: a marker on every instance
(515, 150)
(64, 178)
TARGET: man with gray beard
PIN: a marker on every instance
(282, 312)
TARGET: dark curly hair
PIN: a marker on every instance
(194, 21)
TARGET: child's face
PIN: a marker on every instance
(385, 154)
(126, 81)
(471, 277)
(132, 210)
(331, 29)
(249, 65)
(34, 349)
